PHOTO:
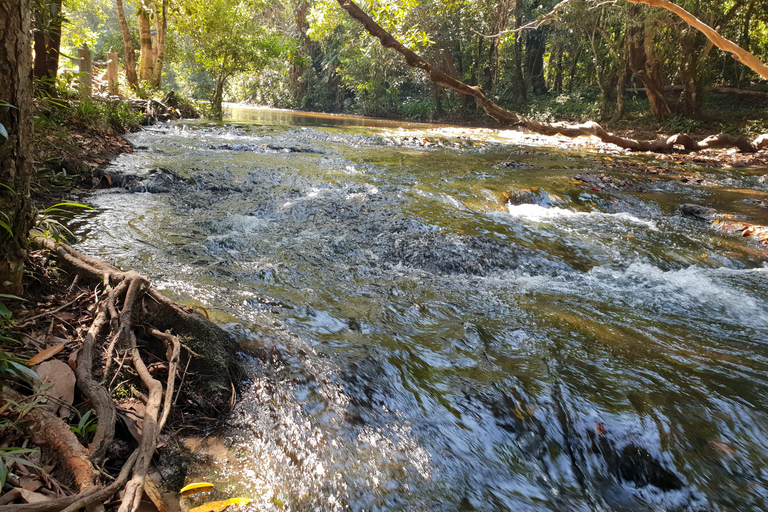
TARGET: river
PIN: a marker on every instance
(428, 330)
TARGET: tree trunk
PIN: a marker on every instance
(218, 97)
(298, 64)
(620, 94)
(535, 44)
(147, 60)
(47, 45)
(644, 64)
(16, 210)
(161, 26)
(690, 99)
(130, 54)
(518, 78)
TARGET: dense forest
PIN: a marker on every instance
(577, 60)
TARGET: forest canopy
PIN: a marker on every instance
(590, 60)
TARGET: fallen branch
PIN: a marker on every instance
(507, 118)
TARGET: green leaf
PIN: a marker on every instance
(12, 297)
(9, 188)
(6, 339)
(77, 205)
(6, 227)
(23, 372)
(3, 473)
(4, 311)
(3, 131)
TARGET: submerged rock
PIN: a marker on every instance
(699, 212)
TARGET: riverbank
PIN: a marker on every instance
(84, 352)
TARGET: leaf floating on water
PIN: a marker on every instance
(196, 487)
(600, 429)
(218, 506)
(722, 446)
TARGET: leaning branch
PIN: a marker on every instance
(507, 118)
(551, 15)
(739, 53)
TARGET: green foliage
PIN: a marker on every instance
(226, 37)
(95, 113)
(10, 456)
(13, 368)
(680, 124)
(85, 426)
(49, 223)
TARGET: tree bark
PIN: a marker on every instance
(508, 118)
(147, 59)
(16, 210)
(724, 44)
(130, 54)
(644, 64)
(161, 26)
(47, 45)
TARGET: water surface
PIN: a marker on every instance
(426, 329)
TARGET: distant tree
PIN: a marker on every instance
(48, 17)
(16, 210)
(226, 37)
(130, 53)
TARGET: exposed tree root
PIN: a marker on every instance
(51, 431)
(676, 142)
(126, 308)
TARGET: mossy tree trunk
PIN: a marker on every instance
(16, 210)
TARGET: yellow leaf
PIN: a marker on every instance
(151, 489)
(704, 256)
(196, 487)
(46, 354)
(218, 506)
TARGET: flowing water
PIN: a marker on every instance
(425, 329)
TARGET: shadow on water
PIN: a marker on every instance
(426, 329)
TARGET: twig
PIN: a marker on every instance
(181, 384)
(53, 312)
(534, 24)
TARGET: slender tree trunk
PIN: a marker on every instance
(644, 64)
(619, 113)
(161, 26)
(574, 68)
(16, 210)
(535, 44)
(130, 53)
(690, 99)
(518, 78)
(147, 60)
(557, 80)
(47, 45)
(298, 66)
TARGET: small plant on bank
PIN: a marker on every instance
(9, 456)
(86, 426)
(49, 223)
